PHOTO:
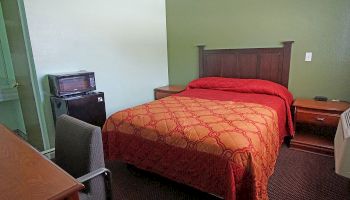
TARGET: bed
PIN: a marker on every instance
(222, 134)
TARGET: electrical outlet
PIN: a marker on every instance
(308, 56)
(99, 99)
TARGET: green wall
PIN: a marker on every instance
(319, 26)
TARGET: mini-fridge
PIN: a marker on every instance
(89, 107)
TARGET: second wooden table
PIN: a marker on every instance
(165, 91)
(320, 116)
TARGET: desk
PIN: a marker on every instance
(26, 174)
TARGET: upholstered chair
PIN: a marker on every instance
(79, 151)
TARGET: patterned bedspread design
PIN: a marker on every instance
(243, 137)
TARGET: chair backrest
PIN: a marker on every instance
(79, 150)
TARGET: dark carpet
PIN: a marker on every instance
(298, 175)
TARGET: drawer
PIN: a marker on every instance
(159, 94)
(317, 117)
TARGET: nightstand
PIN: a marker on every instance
(315, 123)
(165, 91)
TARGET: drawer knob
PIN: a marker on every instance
(320, 119)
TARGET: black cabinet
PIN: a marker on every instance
(88, 107)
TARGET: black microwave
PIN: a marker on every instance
(72, 83)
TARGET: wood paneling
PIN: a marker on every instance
(257, 63)
(213, 65)
(270, 63)
(247, 65)
(229, 63)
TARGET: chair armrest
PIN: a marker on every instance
(50, 154)
(107, 177)
(48, 151)
(93, 174)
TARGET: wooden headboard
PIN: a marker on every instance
(257, 63)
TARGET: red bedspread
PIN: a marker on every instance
(268, 100)
(258, 91)
(214, 136)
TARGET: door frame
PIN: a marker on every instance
(6, 52)
(34, 78)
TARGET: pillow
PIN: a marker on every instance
(257, 86)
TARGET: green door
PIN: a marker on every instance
(10, 109)
(20, 100)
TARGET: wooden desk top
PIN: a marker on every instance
(26, 174)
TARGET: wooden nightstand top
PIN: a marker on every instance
(339, 106)
(171, 89)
